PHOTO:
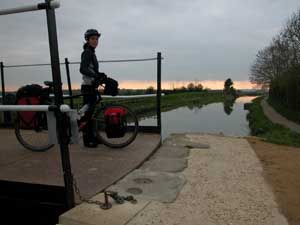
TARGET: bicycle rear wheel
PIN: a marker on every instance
(34, 137)
(120, 135)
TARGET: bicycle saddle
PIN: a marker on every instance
(49, 83)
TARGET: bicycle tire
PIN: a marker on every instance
(109, 142)
(22, 134)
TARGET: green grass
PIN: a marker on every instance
(262, 127)
(284, 111)
(147, 106)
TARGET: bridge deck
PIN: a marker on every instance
(94, 169)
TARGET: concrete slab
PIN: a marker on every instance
(91, 214)
(225, 186)
(12, 154)
(94, 169)
(165, 165)
(171, 152)
(150, 185)
(180, 140)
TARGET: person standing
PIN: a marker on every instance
(91, 77)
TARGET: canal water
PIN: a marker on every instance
(228, 118)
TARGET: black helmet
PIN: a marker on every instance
(91, 32)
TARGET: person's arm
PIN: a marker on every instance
(86, 59)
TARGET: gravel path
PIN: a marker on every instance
(275, 117)
(225, 185)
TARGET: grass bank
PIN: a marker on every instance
(262, 127)
(287, 113)
(145, 107)
(170, 101)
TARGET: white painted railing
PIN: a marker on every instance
(53, 4)
(51, 120)
(34, 108)
(118, 96)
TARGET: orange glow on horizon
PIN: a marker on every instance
(136, 84)
(211, 84)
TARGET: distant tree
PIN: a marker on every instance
(183, 88)
(227, 84)
(191, 87)
(228, 88)
(199, 87)
(150, 90)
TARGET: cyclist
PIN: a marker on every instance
(91, 78)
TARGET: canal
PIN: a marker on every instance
(228, 118)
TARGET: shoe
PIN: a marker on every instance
(90, 144)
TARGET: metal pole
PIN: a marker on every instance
(158, 93)
(6, 115)
(2, 82)
(58, 96)
(69, 82)
(52, 4)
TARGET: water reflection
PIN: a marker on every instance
(228, 105)
(228, 118)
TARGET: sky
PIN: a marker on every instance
(201, 41)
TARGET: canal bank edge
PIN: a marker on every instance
(224, 184)
(262, 127)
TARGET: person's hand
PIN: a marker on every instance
(100, 79)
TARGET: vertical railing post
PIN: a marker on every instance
(2, 83)
(158, 93)
(67, 63)
(5, 114)
(58, 96)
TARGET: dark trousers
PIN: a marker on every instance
(90, 97)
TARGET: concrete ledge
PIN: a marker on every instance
(92, 214)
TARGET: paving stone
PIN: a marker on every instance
(165, 165)
(171, 152)
(180, 140)
(150, 185)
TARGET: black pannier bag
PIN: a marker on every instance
(115, 122)
(29, 95)
(111, 87)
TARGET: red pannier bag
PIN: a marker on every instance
(115, 122)
(28, 95)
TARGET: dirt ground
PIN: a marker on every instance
(282, 171)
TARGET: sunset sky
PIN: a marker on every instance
(203, 41)
(217, 84)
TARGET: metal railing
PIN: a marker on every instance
(69, 82)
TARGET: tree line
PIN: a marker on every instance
(190, 87)
(277, 66)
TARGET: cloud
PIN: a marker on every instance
(205, 40)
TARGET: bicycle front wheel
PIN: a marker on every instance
(33, 136)
(117, 126)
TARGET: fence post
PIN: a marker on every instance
(158, 93)
(60, 117)
(67, 63)
(7, 117)
(2, 82)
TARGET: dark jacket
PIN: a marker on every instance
(89, 66)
